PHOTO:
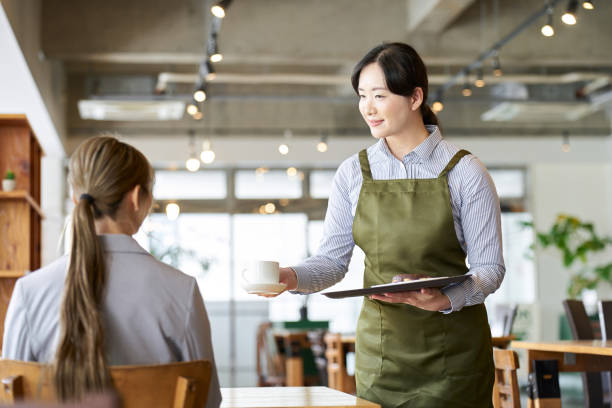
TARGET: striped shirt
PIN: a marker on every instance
(475, 207)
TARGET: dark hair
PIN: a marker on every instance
(404, 70)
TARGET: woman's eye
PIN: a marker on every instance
(361, 96)
(379, 96)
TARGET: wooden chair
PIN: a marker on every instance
(178, 385)
(506, 390)
(582, 329)
(337, 377)
(269, 362)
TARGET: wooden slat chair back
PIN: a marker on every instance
(506, 391)
(177, 385)
(335, 361)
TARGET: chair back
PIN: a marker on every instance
(269, 362)
(605, 319)
(178, 385)
(582, 329)
(504, 320)
(335, 361)
(506, 390)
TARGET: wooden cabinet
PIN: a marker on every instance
(20, 213)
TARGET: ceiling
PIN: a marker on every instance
(287, 64)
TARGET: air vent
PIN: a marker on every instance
(131, 110)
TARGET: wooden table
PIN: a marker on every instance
(571, 355)
(273, 397)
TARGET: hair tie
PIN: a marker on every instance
(87, 197)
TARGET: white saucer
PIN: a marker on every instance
(264, 288)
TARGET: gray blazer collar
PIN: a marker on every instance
(120, 243)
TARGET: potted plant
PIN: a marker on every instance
(8, 183)
(577, 241)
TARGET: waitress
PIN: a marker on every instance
(417, 205)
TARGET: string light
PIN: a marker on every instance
(497, 71)
(467, 90)
(480, 82)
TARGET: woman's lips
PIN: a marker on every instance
(374, 123)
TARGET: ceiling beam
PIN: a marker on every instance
(433, 16)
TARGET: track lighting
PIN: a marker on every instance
(213, 49)
(207, 71)
(198, 115)
(219, 9)
(480, 82)
(497, 71)
(569, 17)
(588, 5)
(547, 29)
(199, 95)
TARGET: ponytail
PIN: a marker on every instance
(102, 171)
(80, 364)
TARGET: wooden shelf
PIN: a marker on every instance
(11, 274)
(22, 195)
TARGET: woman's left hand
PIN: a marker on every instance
(427, 298)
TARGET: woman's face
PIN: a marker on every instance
(386, 113)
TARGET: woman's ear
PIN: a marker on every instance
(416, 100)
(134, 197)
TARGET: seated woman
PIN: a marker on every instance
(109, 302)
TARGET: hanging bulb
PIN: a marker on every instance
(322, 145)
(283, 149)
(198, 115)
(172, 211)
(588, 5)
(466, 91)
(569, 17)
(216, 57)
(291, 172)
(437, 106)
(208, 155)
(192, 164)
(497, 71)
(192, 109)
(479, 82)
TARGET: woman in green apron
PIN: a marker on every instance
(416, 205)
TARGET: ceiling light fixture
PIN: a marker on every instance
(198, 115)
(467, 90)
(192, 109)
(213, 49)
(479, 82)
(200, 94)
(192, 164)
(283, 148)
(172, 211)
(565, 146)
(569, 17)
(322, 145)
(208, 155)
(219, 10)
(588, 5)
(497, 71)
(547, 29)
(437, 106)
(207, 71)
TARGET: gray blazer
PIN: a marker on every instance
(152, 313)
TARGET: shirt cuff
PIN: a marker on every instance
(304, 281)
(456, 295)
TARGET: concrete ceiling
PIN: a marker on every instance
(287, 62)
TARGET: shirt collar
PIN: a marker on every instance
(422, 151)
(120, 243)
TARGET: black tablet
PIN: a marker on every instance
(398, 287)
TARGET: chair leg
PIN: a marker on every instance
(184, 396)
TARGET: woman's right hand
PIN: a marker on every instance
(288, 277)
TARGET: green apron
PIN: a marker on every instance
(406, 356)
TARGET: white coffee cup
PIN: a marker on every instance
(261, 272)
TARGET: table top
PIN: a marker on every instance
(275, 397)
(598, 347)
(497, 341)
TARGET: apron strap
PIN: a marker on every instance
(458, 156)
(365, 165)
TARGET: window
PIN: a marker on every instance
(321, 183)
(178, 185)
(263, 183)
